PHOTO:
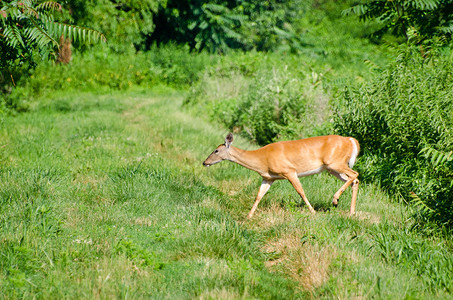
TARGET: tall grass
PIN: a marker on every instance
(104, 70)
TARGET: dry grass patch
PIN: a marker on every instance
(272, 216)
(231, 86)
(93, 181)
(310, 266)
(304, 262)
(367, 216)
(73, 217)
(283, 247)
(145, 221)
(103, 282)
(222, 293)
(208, 202)
(233, 187)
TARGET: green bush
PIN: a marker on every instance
(406, 110)
(427, 18)
(126, 24)
(272, 107)
(219, 25)
(262, 96)
(29, 33)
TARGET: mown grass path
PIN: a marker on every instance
(104, 196)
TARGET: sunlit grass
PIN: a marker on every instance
(107, 198)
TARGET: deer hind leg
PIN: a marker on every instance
(355, 189)
(296, 184)
(265, 185)
(349, 176)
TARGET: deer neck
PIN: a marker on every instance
(245, 158)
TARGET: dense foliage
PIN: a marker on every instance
(29, 32)
(427, 18)
(219, 25)
(125, 23)
(403, 120)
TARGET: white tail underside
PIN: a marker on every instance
(355, 153)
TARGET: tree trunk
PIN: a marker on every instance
(64, 53)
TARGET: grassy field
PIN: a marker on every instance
(104, 196)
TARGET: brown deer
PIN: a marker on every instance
(292, 159)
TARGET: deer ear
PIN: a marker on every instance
(228, 140)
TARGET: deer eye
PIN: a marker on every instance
(216, 151)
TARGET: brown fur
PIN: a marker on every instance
(292, 159)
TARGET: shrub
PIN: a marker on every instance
(427, 18)
(272, 107)
(29, 31)
(263, 97)
(219, 25)
(125, 23)
(406, 110)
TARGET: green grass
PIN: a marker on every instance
(104, 196)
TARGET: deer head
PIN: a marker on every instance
(220, 153)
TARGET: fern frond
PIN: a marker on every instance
(424, 4)
(49, 5)
(358, 10)
(13, 36)
(418, 202)
(282, 33)
(39, 35)
(215, 7)
(11, 12)
(437, 158)
(240, 18)
(372, 65)
(26, 2)
(74, 32)
(30, 11)
(231, 33)
(446, 29)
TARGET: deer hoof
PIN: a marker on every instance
(335, 202)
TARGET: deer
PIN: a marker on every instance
(293, 159)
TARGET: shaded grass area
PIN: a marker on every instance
(105, 196)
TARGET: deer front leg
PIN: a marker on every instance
(265, 185)
(296, 184)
